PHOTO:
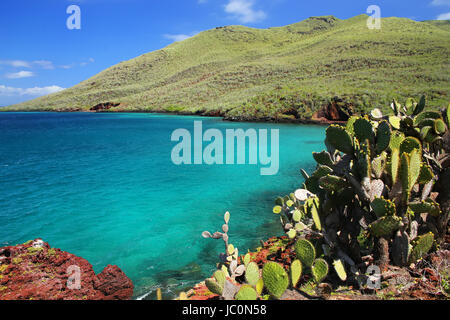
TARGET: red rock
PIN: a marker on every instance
(35, 271)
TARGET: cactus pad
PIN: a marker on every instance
(383, 137)
(340, 139)
(319, 270)
(409, 144)
(323, 158)
(383, 207)
(296, 272)
(385, 226)
(340, 269)
(213, 286)
(421, 246)
(428, 206)
(276, 280)
(246, 293)
(364, 130)
(439, 126)
(305, 251)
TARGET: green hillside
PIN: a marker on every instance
(276, 71)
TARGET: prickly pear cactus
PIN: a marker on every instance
(385, 226)
(305, 252)
(319, 270)
(339, 138)
(276, 280)
(295, 272)
(213, 286)
(421, 246)
(340, 269)
(246, 293)
(252, 274)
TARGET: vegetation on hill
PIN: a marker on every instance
(279, 72)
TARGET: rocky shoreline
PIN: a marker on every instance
(35, 271)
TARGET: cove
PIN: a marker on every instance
(103, 187)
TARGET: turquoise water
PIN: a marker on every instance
(103, 187)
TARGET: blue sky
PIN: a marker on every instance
(40, 55)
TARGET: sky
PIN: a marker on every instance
(41, 52)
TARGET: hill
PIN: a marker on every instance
(288, 71)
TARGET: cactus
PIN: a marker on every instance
(364, 130)
(383, 139)
(319, 270)
(376, 114)
(252, 273)
(275, 279)
(305, 252)
(421, 246)
(385, 226)
(213, 286)
(401, 248)
(340, 139)
(439, 126)
(246, 293)
(323, 158)
(219, 276)
(332, 183)
(426, 174)
(394, 121)
(448, 116)
(247, 259)
(409, 144)
(378, 165)
(295, 272)
(427, 206)
(340, 269)
(259, 286)
(383, 207)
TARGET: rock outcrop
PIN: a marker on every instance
(335, 111)
(104, 106)
(35, 271)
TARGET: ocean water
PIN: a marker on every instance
(103, 187)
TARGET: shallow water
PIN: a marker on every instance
(103, 187)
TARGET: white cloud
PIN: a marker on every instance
(85, 63)
(179, 37)
(444, 16)
(440, 3)
(19, 75)
(243, 10)
(16, 63)
(44, 64)
(35, 91)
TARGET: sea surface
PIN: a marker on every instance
(104, 187)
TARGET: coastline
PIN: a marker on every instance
(320, 122)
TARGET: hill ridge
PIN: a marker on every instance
(236, 70)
